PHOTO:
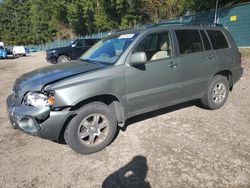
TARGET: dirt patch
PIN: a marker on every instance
(245, 52)
(180, 146)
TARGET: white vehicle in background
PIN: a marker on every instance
(19, 51)
(2, 44)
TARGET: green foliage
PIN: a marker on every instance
(161, 9)
(204, 5)
(39, 21)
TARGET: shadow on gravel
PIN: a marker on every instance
(160, 112)
(132, 175)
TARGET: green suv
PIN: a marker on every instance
(125, 74)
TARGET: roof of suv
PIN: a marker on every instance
(160, 26)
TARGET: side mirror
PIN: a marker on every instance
(138, 58)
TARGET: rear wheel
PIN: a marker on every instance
(217, 93)
(92, 129)
(63, 59)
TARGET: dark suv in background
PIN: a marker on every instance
(126, 74)
(71, 52)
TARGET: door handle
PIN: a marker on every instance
(210, 56)
(172, 64)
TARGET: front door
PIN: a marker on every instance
(156, 83)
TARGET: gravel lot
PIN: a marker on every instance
(180, 146)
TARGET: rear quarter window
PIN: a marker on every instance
(189, 41)
(218, 39)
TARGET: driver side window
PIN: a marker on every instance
(156, 46)
(79, 43)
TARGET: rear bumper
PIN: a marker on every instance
(40, 122)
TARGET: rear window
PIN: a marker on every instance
(189, 41)
(218, 39)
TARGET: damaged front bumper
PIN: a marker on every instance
(40, 122)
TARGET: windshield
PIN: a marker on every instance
(109, 49)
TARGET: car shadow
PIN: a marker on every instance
(132, 175)
(159, 112)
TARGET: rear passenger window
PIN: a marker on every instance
(205, 40)
(189, 41)
(218, 39)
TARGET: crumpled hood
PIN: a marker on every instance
(35, 80)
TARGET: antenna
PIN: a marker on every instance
(216, 13)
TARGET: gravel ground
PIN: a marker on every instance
(180, 146)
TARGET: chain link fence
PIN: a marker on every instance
(235, 18)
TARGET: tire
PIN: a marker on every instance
(216, 94)
(62, 59)
(87, 132)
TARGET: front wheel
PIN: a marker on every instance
(92, 129)
(63, 59)
(216, 94)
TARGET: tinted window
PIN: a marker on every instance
(218, 39)
(156, 46)
(77, 43)
(89, 42)
(189, 41)
(205, 41)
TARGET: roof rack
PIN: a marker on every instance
(183, 24)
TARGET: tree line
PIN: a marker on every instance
(39, 21)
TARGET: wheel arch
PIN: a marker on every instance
(108, 99)
(229, 76)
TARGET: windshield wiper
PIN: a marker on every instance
(96, 62)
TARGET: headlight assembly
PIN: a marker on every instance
(38, 100)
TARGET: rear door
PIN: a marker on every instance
(197, 59)
(155, 83)
(224, 52)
